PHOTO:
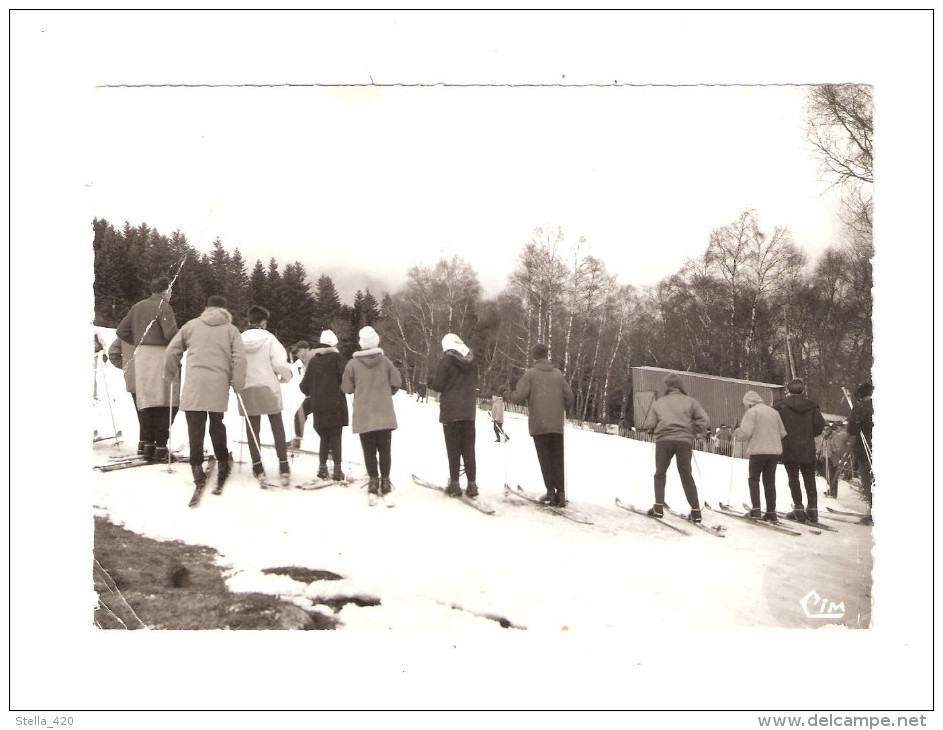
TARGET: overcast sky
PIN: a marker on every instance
(362, 183)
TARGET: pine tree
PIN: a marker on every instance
(327, 303)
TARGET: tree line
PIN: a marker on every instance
(127, 259)
(751, 307)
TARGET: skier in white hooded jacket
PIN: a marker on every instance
(267, 367)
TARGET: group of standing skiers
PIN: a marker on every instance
(254, 364)
(782, 433)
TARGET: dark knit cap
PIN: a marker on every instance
(541, 351)
(257, 313)
(864, 390)
(300, 345)
(796, 385)
(216, 301)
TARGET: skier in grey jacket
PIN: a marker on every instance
(676, 418)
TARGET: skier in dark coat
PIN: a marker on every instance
(803, 421)
(860, 424)
(456, 379)
(322, 386)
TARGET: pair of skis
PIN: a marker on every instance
(567, 512)
(813, 526)
(715, 530)
(473, 502)
(199, 488)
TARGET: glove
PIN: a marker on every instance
(104, 357)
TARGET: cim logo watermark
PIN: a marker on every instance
(815, 606)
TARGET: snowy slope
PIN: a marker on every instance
(438, 565)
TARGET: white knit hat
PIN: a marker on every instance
(454, 342)
(328, 338)
(368, 338)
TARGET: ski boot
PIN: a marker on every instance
(259, 473)
(224, 468)
(657, 510)
(322, 472)
(695, 516)
(561, 499)
(453, 489)
(471, 490)
(162, 453)
(755, 513)
(199, 482)
(339, 475)
(141, 445)
(798, 514)
(812, 514)
(770, 516)
(149, 449)
(284, 474)
(550, 498)
(373, 489)
(386, 489)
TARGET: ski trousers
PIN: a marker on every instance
(793, 470)
(460, 447)
(681, 451)
(331, 443)
(763, 465)
(278, 433)
(549, 448)
(376, 446)
(196, 428)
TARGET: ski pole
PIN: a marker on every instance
(245, 416)
(242, 438)
(111, 410)
(170, 422)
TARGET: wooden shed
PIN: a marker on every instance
(722, 398)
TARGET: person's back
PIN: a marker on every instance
(266, 368)
(547, 394)
(676, 419)
(803, 422)
(677, 416)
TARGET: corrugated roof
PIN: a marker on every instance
(712, 377)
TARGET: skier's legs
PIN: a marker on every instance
(196, 430)
(147, 425)
(301, 415)
(497, 431)
(808, 478)
(543, 447)
(684, 452)
(769, 481)
(218, 436)
(368, 442)
(558, 466)
(324, 446)
(757, 462)
(255, 425)
(384, 449)
(336, 443)
(160, 423)
(795, 490)
(453, 447)
(278, 432)
(467, 445)
(864, 468)
(663, 455)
